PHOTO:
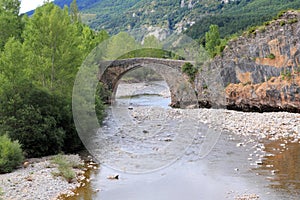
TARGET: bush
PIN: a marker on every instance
(65, 167)
(271, 56)
(40, 120)
(11, 154)
(286, 75)
(190, 70)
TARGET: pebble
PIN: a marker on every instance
(37, 181)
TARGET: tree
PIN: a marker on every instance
(74, 12)
(12, 66)
(36, 80)
(90, 39)
(119, 45)
(51, 42)
(10, 21)
(11, 6)
(212, 40)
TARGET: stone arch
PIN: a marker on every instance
(182, 92)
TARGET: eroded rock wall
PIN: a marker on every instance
(258, 71)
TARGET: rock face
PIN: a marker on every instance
(258, 71)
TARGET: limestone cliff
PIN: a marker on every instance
(258, 71)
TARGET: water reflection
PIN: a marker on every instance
(282, 166)
(86, 191)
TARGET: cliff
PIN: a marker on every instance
(258, 71)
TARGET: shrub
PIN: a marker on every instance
(292, 21)
(39, 119)
(190, 70)
(11, 154)
(271, 56)
(64, 167)
(287, 75)
(282, 23)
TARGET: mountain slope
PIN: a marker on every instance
(192, 16)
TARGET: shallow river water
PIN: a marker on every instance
(226, 172)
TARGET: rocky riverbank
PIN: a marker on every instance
(38, 179)
(269, 125)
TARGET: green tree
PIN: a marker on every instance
(119, 45)
(212, 40)
(74, 12)
(36, 81)
(51, 42)
(10, 21)
(12, 67)
(90, 39)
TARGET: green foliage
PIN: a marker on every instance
(286, 75)
(12, 65)
(119, 15)
(213, 41)
(282, 23)
(152, 42)
(120, 44)
(292, 21)
(271, 56)
(34, 117)
(51, 42)
(190, 70)
(65, 167)
(74, 12)
(36, 79)
(11, 154)
(151, 53)
(102, 95)
(238, 16)
(10, 21)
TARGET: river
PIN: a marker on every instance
(226, 172)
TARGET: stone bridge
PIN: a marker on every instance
(182, 92)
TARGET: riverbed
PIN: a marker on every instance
(233, 155)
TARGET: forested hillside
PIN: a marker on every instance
(191, 16)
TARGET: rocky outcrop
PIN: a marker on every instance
(258, 71)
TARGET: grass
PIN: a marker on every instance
(65, 167)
